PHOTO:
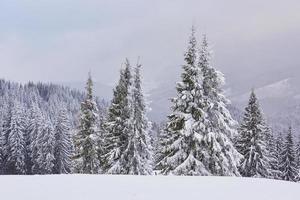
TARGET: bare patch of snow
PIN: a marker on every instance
(92, 187)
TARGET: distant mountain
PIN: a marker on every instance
(274, 97)
(280, 102)
(279, 99)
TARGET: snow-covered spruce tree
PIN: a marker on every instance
(181, 152)
(118, 125)
(16, 142)
(273, 154)
(288, 163)
(221, 157)
(86, 139)
(251, 142)
(138, 152)
(34, 130)
(25, 116)
(279, 148)
(3, 145)
(63, 144)
(3, 150)
(46, 143)
(5, 129)
(198, 139)
(298, 157)
(159, 137)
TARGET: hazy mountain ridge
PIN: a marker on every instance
(279, 100)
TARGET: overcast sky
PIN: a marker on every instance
(61, 40)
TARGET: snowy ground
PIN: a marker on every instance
(92, 187)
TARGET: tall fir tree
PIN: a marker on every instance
(139, 150)
(86, 139)
(222, 157)
(199, 132)
(181, 152)
(251, 142)
(16, 143)
(63, 144)
(118, 125)
(288, 163)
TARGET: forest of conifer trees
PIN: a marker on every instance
(51, 129)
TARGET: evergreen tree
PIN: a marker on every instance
(279, 150)
(288, 163)
(139, 149)
(298, 157)
(34, 130)
(273, 154)
(46, 143)
(26, 120)
(63, 145)
(158, 140)
(118, 126)
(16, 142)
(223, 159)
(3, 151)
(251, 142)
(182, 149)
(5, 129)
(87, 137)
(199, 132)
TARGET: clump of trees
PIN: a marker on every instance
(41, 133)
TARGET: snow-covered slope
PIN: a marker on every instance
(278, 89)
(92, 187)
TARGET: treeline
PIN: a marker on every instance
(200, 137)
(36, 127)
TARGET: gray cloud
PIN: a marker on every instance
(61, 40)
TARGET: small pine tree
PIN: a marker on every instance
(64, 145)
(139, 149)
(86, 140)
(251, 142)
(118, 125)
(288, 163)
(16, 143)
